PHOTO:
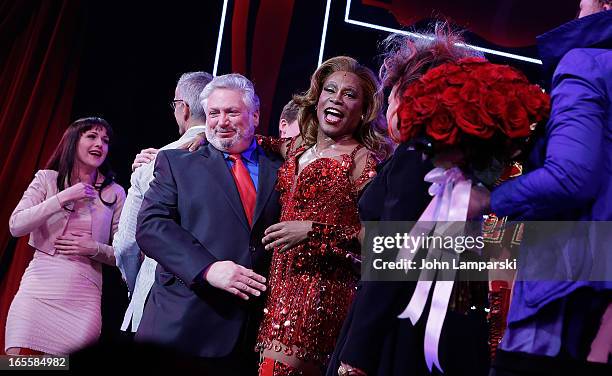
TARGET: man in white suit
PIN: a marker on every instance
(139, 270)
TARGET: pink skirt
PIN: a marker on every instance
(57, 307)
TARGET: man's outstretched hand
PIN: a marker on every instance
(235, 279)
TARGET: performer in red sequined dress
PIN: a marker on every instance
(314, 268)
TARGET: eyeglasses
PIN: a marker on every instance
(175, 101)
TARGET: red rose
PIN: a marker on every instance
(471, 97)
(494, 73)
(473, 60)
(450, 96)
(491, 75)
(470, 120)
(535, 101)
(544, 110)
(408, 131)
(452, 69)
(458, 78)
(434, 87)
(415, 90)
(472, 63)
(409, 123)
(511, 74)
(485, 116)
(426, 105)
(442, 128)
(516, 120)
(495, 103)
(434, 74)
(470, 92)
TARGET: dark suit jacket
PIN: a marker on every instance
(191, 217)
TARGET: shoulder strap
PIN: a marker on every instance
(355, 150)
(352, 156)
(292, 153)
(369, 170)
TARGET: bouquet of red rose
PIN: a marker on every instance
(477, 117)
(473, 104)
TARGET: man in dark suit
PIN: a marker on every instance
(202, 220)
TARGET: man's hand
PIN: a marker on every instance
(288, 233)
(144, 157)
(235, 279)
(193, 145)
(480, 202)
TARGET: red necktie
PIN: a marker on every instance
(245, 186)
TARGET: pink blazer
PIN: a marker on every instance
(39, 213)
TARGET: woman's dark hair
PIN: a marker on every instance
(64, 155)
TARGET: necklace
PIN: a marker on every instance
(331, 148)
(316, 152)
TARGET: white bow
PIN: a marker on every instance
(451, 197)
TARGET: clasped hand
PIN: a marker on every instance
(79, 191)
(76, 244)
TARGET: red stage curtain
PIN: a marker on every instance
(269, 39)
(40, 47)
(269, 36)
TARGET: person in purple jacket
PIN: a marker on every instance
(554, 323)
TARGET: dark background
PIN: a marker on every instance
(121, 61)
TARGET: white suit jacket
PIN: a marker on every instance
(139, 277)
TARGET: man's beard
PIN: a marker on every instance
(224, 144)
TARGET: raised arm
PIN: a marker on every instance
(282, 146)
(36, 206)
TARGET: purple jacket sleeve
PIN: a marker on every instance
(568, 178)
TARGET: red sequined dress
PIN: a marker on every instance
(313, 283)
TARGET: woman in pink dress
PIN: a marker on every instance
(71, 211)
